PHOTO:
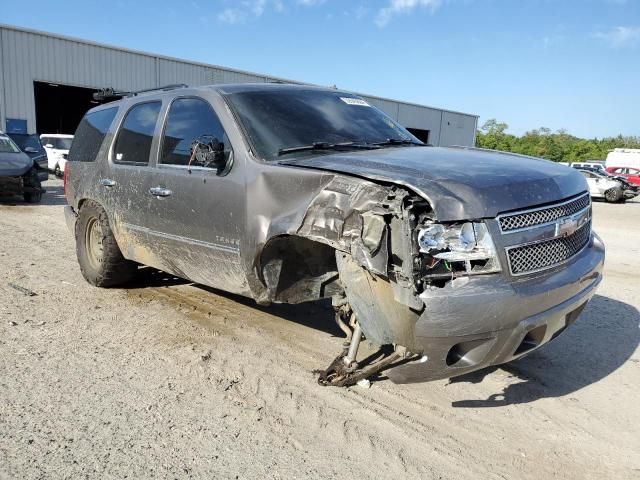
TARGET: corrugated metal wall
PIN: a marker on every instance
(27, 56)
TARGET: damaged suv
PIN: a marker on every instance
(449, 259)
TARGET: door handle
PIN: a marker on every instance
(107, 182)
(160, 192)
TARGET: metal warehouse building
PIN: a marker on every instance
(47, 82)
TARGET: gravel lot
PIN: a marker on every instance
(170, 380)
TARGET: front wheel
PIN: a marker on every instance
(32, 182)
(101, 261)
(35, 197)
(57, 172)
(613, 195)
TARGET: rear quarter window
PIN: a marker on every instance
(90, 135)
(133, 143)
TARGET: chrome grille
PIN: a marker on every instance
(540, 216)
(549, 253)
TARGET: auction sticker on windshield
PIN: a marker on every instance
(354, 101)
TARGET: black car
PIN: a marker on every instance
(31, 145)
(19, 174)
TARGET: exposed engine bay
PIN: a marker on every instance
(389, 248)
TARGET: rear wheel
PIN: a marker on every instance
(101, 261)
(613, 195)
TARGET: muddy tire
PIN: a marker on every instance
(101, 261)
(613, 195)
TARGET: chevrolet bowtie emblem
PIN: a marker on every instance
(566, 227)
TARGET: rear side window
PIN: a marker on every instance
(190, 119)
(90, 134)
(133, 143)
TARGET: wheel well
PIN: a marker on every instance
(81, 202)
(296, 269)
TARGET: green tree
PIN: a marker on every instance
(559, 146)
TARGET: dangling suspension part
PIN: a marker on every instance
(344, 370)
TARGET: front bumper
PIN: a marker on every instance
(17, 186)
(491, 320)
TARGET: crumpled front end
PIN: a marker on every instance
(456, 296)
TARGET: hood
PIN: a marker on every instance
(14, 164)
(459, 183)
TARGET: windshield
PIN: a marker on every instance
(62, 143)
(26, 141)
(283, 119)
(7, 145)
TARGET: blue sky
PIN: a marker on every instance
(572, 64)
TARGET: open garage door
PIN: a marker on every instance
(59, 108)
(422, 135)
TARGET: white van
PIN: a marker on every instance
(57, 147)
(624, 157)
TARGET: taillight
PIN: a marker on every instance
(64, 180)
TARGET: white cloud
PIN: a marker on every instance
(400, 7)
(232, 16)
(245, 10)
(619, 37)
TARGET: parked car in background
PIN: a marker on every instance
(593, 166)
(586, 164)
(57, 147)
(631, 174)
(601, 186)
(450, 259)
(19, 174)
(30, 144)
(629, 189)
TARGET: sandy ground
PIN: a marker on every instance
(170, 380)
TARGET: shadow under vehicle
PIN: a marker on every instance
(543, 374)
(452, 259)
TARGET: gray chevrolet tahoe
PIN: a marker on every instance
(449, 259)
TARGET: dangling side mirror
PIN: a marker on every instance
(210, 154)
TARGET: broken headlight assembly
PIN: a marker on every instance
(449, 251)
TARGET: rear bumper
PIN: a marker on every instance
(491, 320)
(70, 218)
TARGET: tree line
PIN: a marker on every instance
(557, 146)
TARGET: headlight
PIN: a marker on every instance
(459, 243)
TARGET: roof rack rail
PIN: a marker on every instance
(110, 93)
